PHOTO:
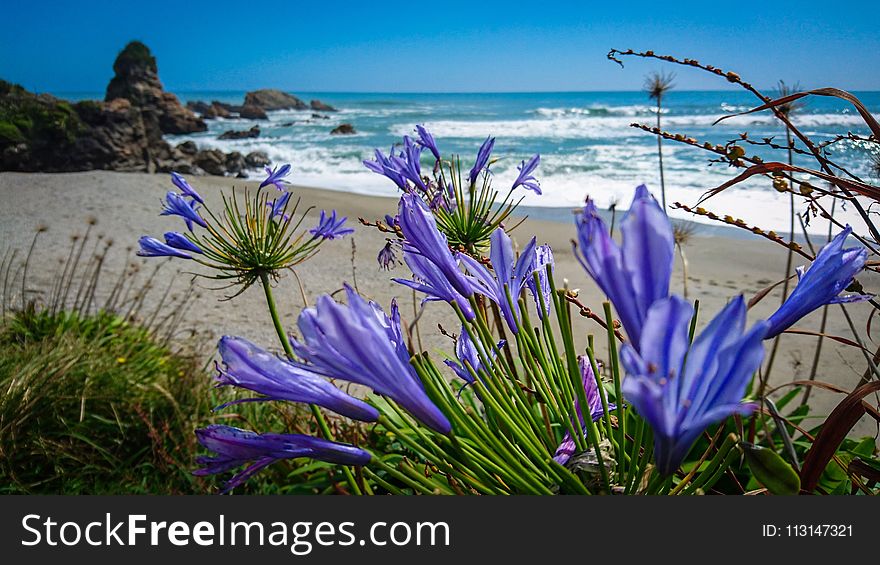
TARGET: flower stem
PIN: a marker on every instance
(285, 343)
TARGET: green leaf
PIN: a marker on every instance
(771, 470)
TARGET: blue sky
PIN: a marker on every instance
(439, 46)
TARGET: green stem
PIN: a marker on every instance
(285, 343)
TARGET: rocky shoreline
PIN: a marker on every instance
(125, 132)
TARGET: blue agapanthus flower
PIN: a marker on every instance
(680, 388)
(152, 247)
(467, 353)
(408, 162)
(329, 227)
(180, 241)
(635, 275)
(276, 177)
(244, 365)
(175, 205)
(427, 253)
(511, 274)
(185, 187)
(595, 409)
(482, 161)
(235, 447)
(541, 291)
(525, 177)
(831, 272)
(386, 257)
(360, 343)
(387, 167)
(278, 206)
(427, 141)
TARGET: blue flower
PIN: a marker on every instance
(236, 447)
(830, 273)
(525, 178)
(180, 241)
(175, 205)
(426, 250)
(329, 227)
(510, 277)
(680, 399)
(636, 274)
(386, 166)
(482, 161)
(247, 366)
(431, 281)
(386, 257)
(276, 177)
(278, 206)
(427, 140)
(467, 354)
(408, 162)
(361, 344)
(152, 247)
(594, 400)
(185, 188)
(543, 258)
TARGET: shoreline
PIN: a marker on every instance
(126, 206)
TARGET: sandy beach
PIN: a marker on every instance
(126, 205)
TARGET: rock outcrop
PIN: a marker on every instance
(343, 129)
(241, 134)
(269, 99)
(319, 106)
(137, 80)
(252, 112)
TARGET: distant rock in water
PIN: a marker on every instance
(257, 159)
(320, 117)
(241, 134)
(252, 112)
(137, 80)
(343, 129)
(319, 106)
(269, 100)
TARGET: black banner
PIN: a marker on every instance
(434, 529)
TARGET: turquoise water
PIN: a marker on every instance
(584, 139)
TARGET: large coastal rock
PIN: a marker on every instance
(269, 99)
(137, 80)
(343, 129)
(252, 112)
(241, 134)
(319, 106)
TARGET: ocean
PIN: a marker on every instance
(586, 144)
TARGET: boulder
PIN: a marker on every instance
(216, 111)
(241, 134)
(235, 162)
(319, 106)
(256, 160)
(136, 79)
(188, 148)
(212, 161)
(198, 106)
(320, 117)
(252, 112)
(343, 129)
(269, 99)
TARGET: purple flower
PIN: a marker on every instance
(482, 161)
(175, 205)
(427, 140)
(543, 258)
(152, 247)
(466, 351)
(276, 177)
(386, 257)
(329, 227)
(180, 241)
(525, 178)
(185, 188)
(249, 367)
(362, 344)
(680, 399)
(431, 281)
(278, 206)
(636, 274)
(385, 166)
(594, 400)
(427, 253)
(830, 273)
(510, 277)
(236, 447)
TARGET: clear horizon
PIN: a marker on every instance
(493, 47)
